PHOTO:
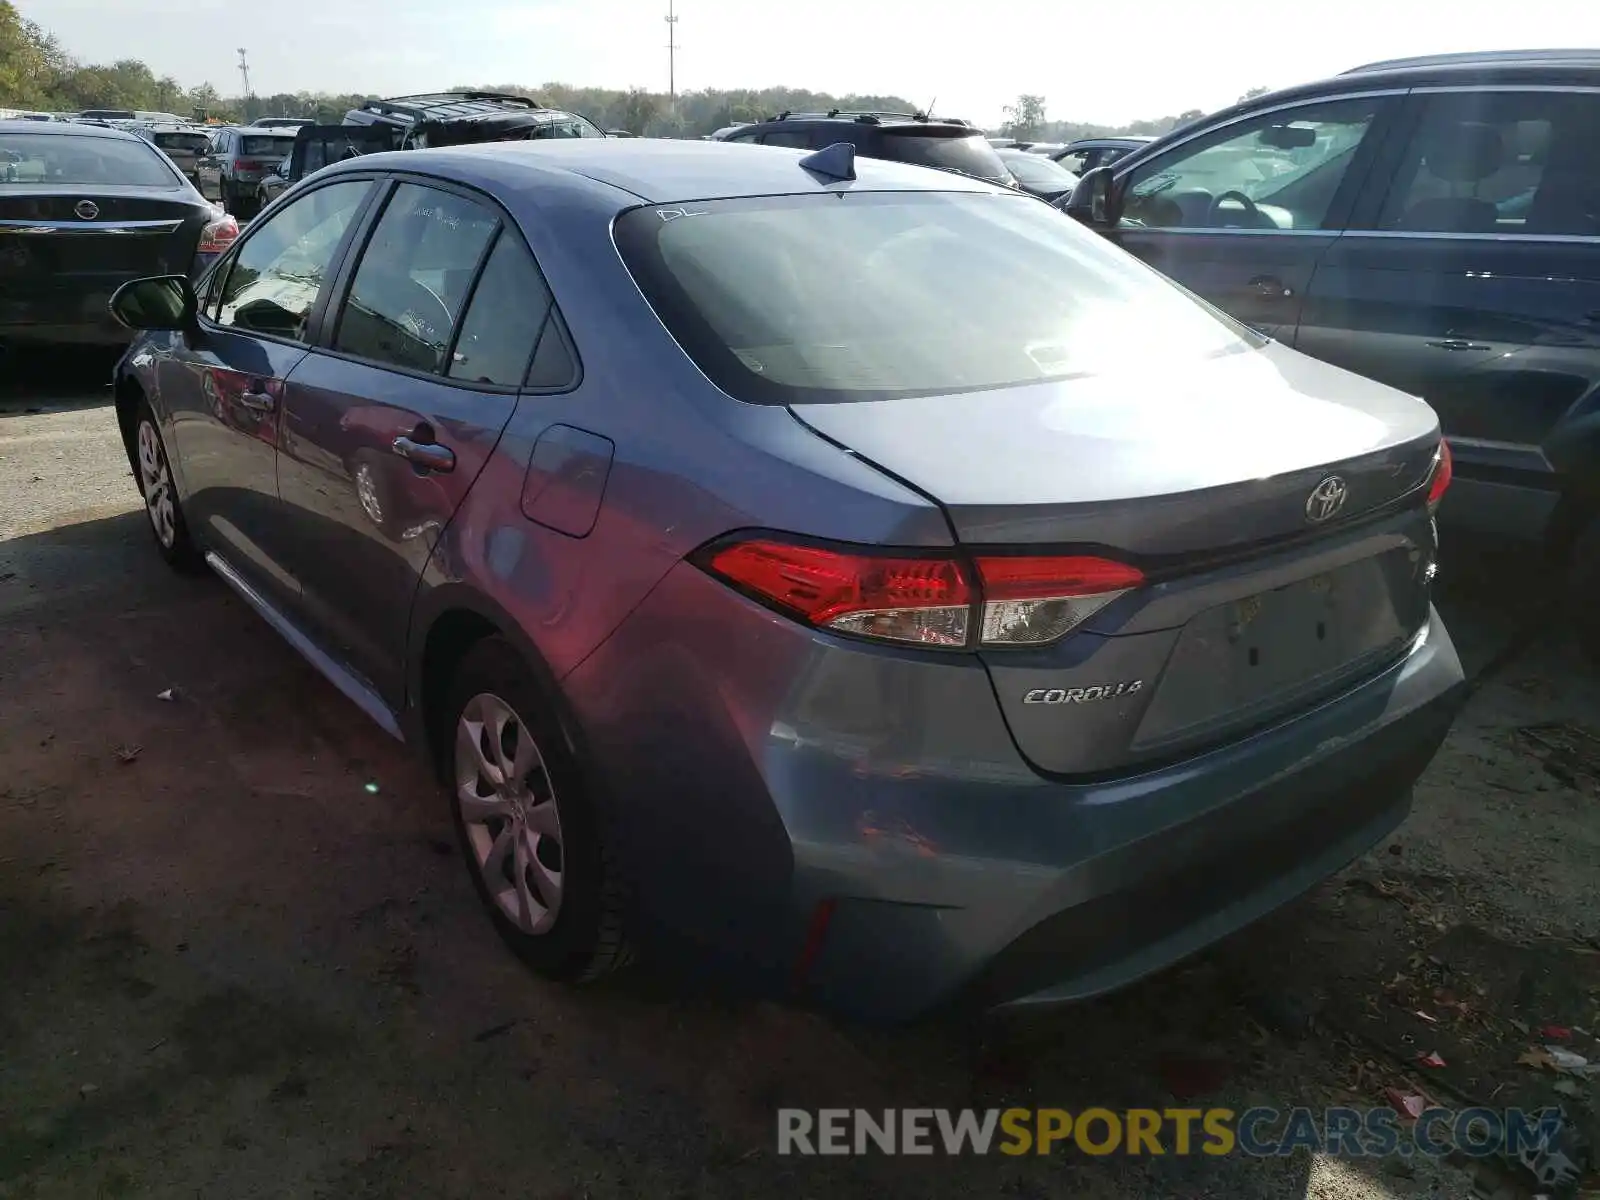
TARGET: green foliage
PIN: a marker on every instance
(36, 73)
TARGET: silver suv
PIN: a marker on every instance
(239, 158)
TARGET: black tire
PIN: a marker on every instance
(170, 532)
(1583, 589)
(587, 938)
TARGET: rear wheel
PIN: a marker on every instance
(161, 503)
(530, 835)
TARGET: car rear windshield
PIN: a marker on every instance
(843, 296)
(267, 147)
(931, 146)
(182, 141)
(73, 159)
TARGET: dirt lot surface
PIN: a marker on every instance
(240, 958)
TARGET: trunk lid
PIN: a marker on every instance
(1255, 604)
(63, 252)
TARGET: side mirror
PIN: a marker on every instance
(1094, 200)
(156, 302)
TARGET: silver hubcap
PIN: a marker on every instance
(367, 493)
(508, 805)
(156, 483)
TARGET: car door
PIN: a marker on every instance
(390, 420)
(1470, 276)
(1241, 212)
(208, 175)
(224, 387)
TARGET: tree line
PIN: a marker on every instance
(36, 72)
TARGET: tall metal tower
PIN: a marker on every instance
(244, 70)
(672, 51)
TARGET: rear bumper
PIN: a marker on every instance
(753, 770)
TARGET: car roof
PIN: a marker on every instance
(842, 116)
(655, 170)
(69, 129)
(1480, 58)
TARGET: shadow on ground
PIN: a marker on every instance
(243, 960)
(33, 382)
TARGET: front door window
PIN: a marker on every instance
(1279, 170)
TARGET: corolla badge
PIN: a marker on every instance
(1326, 499)
(1081, 695)
(87, 210)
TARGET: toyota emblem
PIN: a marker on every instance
(87, 210)
(1326, 499)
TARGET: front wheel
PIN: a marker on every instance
(530, 834)
(161, 504)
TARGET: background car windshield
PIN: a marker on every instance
(70, 159)
(269, 147)
(856, 296)
(1037, 171)
(971, 155)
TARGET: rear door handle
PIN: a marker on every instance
(1270, 285)
(1458, 344)
(257, 401)
(429, 455)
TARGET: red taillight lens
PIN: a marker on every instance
(1030, 601)
(925, 600)
(1439, 481)
(219, 235)
(1023, 600)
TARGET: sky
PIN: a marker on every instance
(969, 59)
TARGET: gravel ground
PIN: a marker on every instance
(236, 970)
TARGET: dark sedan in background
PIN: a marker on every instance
(83, 209)
(1037, 175)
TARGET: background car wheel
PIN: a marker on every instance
(161, 505)
(1583, 589)
(530, 835)
(369, 473)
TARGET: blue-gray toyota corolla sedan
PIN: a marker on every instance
(857, 574)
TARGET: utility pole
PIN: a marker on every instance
(672, 51)
(244, 70)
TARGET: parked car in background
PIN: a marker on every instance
(1037, 175)
(82, 210)
(888, 667)
(1086, 154)
(108, 114)
(948, 143)
(238, 159)
(282, 122)
(719, 135)
(184, 144)
(1433, 223)
(415, 122)
(461, 118)
(315, 146)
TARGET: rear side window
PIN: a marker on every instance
(872, 295)
(932, 146)
(413, 278)
(72, 160)
(1500, 163)
(509, 310)
(792, 138)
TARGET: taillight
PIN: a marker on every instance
(218, 235)
(1439, 480)
(925, 600)
(1030, 601)
(1017, 600)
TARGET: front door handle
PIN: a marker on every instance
(1270, 285)
(428, 455)
(1458, 344)
(257, 401)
